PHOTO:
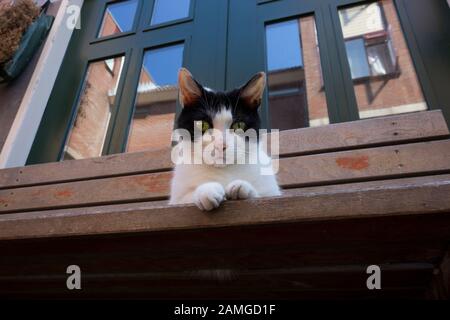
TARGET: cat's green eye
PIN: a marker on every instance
(205, 126)
(238, 125)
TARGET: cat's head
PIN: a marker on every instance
(235, 112)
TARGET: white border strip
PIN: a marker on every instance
(421, 106)
(26, 123)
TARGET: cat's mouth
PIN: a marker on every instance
(230, 156)
(220, 160)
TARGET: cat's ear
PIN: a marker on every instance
(252, 91)
(190, 90)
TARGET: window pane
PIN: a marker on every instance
(362, 19)
(157, 93)
(356, 52)
(296, 93)
(281, 34)
(119, 17)
(169, 10)
(385, 79)
(380, 59)
(91, 123)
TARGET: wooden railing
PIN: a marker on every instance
(368, 192)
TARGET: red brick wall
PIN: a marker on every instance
(87, 135)
(399, 91)
(313, 72)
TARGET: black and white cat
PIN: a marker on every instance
(208, 184)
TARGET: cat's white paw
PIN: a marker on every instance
(209, 196)
(240, 189)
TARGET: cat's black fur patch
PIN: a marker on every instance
(212, 102)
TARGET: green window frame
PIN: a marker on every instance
(217, 36)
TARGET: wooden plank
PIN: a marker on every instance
(152, 186)
(369, 132)
(396, 129)
(186, 259)
(328, 168)
(73, 170)
(439, 286)
(301, 245)
(347, 278)
(423, 196)
(130, 292)
(372, 163)
(390, 239)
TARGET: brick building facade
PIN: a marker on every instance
(395, 91)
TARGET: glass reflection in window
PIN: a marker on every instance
(88, 132)
(296, 94)
(157, 93)
(385, 81)
(357, 57)
(119, 17)
(169, 10)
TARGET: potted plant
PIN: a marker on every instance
(23, 28)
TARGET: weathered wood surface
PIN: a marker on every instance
(270, 258)
(73, 170)
(186, 258)
(424, 195)
(124, 290)
(370, 192)
(395, 129)
(364, 133)
(151, 186)
(364, 164)
(348, 280)
(328, 168)
(439, 286)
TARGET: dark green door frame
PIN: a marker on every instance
(416, 29)
(224, 45)
(427, 31)
(338, 83)
(207, 20)
(426, 27)
(244, 33)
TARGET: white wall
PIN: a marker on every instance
(25, 126)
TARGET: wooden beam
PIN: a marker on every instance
(73, 170)
(419, 196)
(439, 286)
(388, 130)
(328, 168)
(127, 292)
(363, 133)
(146, 187)
(255, 283)
(373, 163)
(185, 259)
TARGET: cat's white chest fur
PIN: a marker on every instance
(207, 186)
